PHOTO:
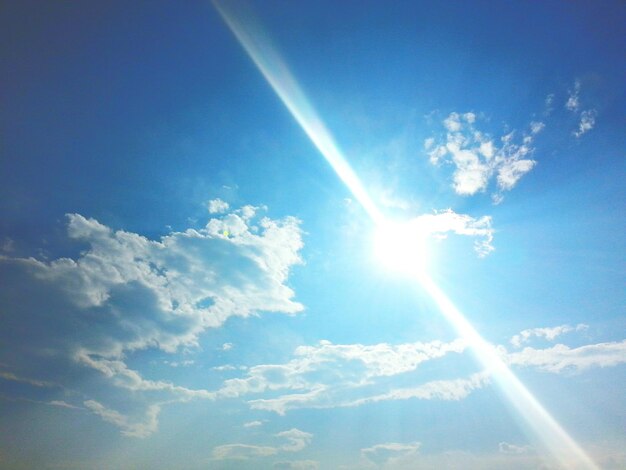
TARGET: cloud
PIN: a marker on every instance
(134, 429)
(506, 448)
(242, 452)
(561, 358)
(252, 424)
(330, 375)
(440, 223)
(69, 319)
(587, 122)
(477, 157)
(587, 117)
(217, 206)
(548, 333)
(296, 440)
(391, 453)
(573, 100)
(296, 465)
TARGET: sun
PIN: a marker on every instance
(402, 247)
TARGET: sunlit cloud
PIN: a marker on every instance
(125, 293)
(549, 333)
(478, 158)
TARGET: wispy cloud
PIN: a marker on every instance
(506, 448)
(573, 100)
(477, 157)
(391, 453)
(549, 333)
(561, 358)
(587, 117)
(296, 465)
(294, 439)
(587, 122)
(330, 375)
(129, 428)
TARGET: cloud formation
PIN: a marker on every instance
(548, 333)
(440, 223)
(477, 157)
(69, 319)
(587, 117)
(391, 453)
(295, 441)
(330, 375)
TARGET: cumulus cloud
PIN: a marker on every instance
(68, 319)
(477, 157)
(548, 333)
(296, 440)
(217, 206)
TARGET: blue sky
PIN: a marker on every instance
(186, 282)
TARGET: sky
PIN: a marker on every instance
(312, 235)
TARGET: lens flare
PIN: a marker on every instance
(397, 247)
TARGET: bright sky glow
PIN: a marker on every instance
(402, 246)
(184, 283)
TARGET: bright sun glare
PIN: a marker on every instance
(401, 247)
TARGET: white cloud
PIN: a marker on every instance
(252, 424)
(477, 158)
(330, 375)
(506, 448)
(242, 452)
(561, 358)
(141, 428)
(296, 465)
(217, 206)
(447, 390)
(587, 117)
(125, 293)
(587, 122)
(296, 440)
(440, 223)
(548, 333)
(391, 453)
(63, 404)
(573, 100)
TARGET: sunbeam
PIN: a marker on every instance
(256, 43)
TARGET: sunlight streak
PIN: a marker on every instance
(256, 43)
(260, 49)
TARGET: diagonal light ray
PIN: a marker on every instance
(256, 43)
(264, 55)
